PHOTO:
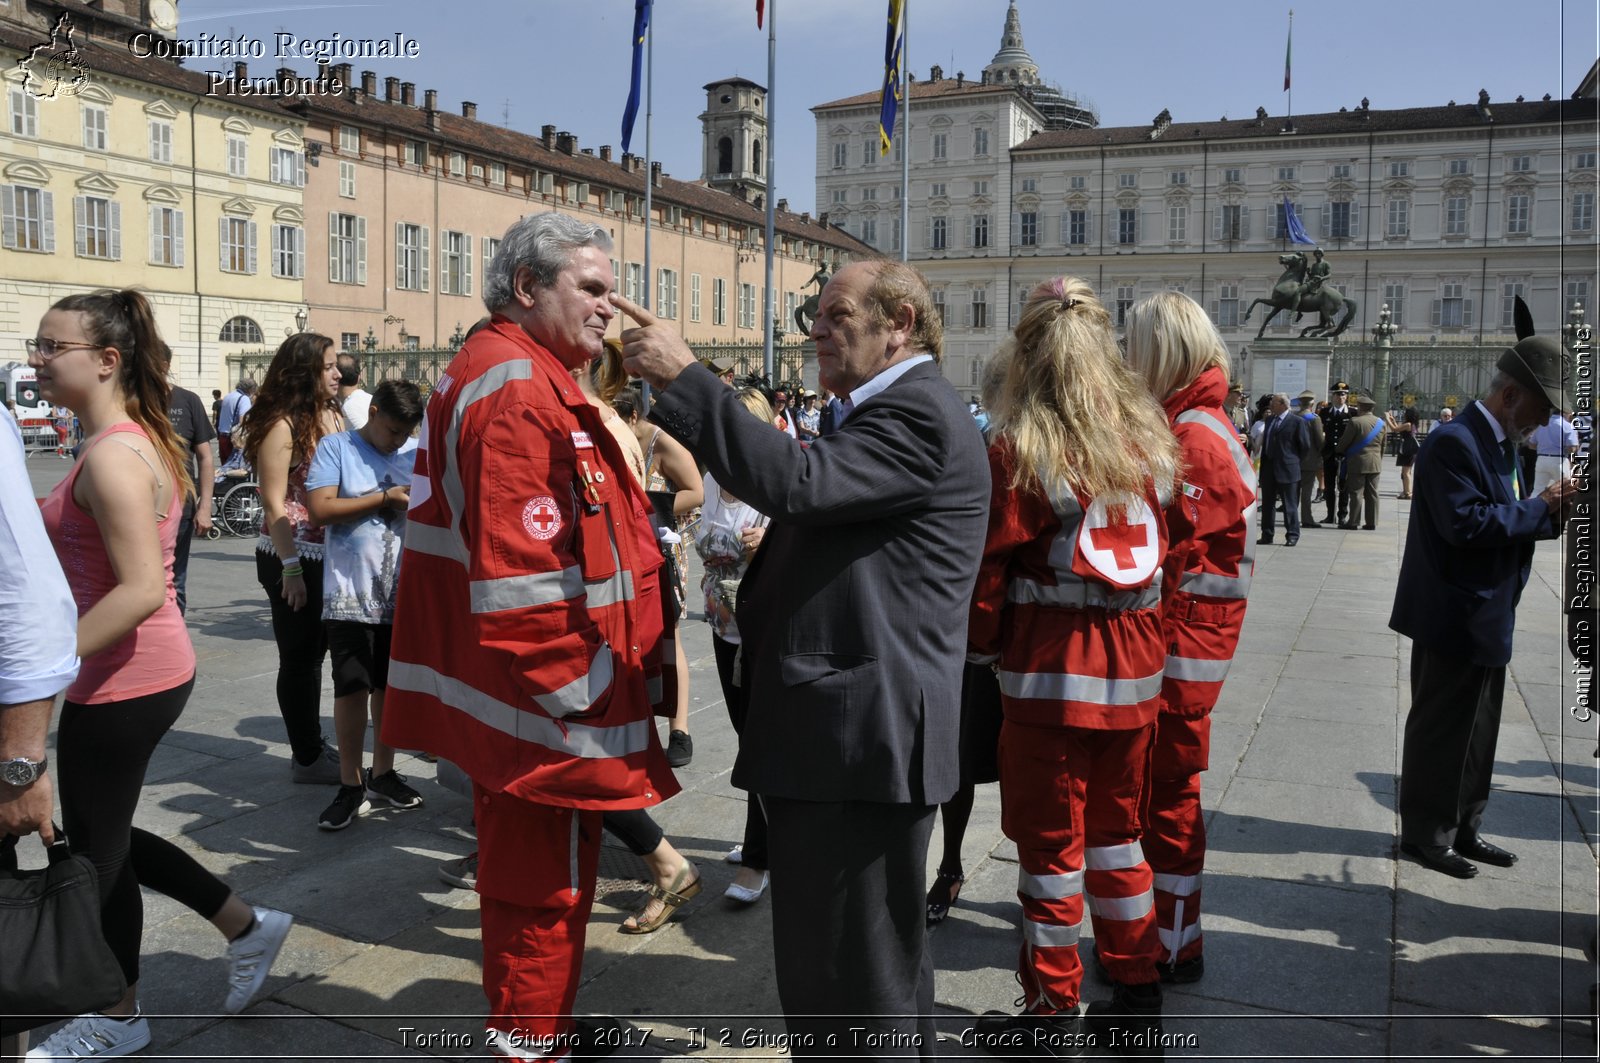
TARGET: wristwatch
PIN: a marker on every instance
(22, 771)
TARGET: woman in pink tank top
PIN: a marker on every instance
(114, 524)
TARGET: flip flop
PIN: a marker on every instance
(670, 901)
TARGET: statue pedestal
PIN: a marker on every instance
(1289, 366)
(808, 366)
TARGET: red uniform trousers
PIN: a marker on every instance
(1072, 798)
(536, 879)
(1175, 834)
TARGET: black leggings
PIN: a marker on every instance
(302, 647)
(636, 829)
(755, 820)
(101, 755)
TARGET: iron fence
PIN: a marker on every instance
(1427, 376)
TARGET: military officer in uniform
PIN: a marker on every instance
(1334, 418)
(1360, 452)
(1310, 457)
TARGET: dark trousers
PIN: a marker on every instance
(848, 929)
(302, 647)
(1448, 757)
(755, 821)
(1334, 495)
(180, 556)
(101, 754)
(1270, 494)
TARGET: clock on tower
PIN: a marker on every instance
(164, 15)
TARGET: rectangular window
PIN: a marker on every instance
(941, 144)
(694, 297)
(1452, 306)
(347, 179)
(1077, 183)
(936, 189)
(1227, 306)
(160, 140)
(416, 153)
(1520, 164)
(1397, 214)
(1124, 302)
(1177, 223)
(1030, 184)
(747, 306)
(1459, 167)
(24, 114)
(980, 307)
(476, 172)
(1028, 228)
(938, 234)
(841, 153)
(349, 341)
(288, 251)
(869, 151)
(349, 140)
(1231, 226)
(980, 142)
(980, 188)
(1583, 212)
(1233, 177)
(491, 246)
(869, 195)
(411, 256)
(238, 156)
(1127, 226)
(1178, 177)
(455, 263)
(1510, 291)
(1339, 172)
(633, 282)
(458, 164)
(719, 301)
(98, 224)
(1127, 180)
(1584, 160)
(1577, 294)
(166, 236)
(1394, 296)
(980, 230)
(1077, 227)
(237, 238)
(287, 167)
(938, 303)
(1517, 214)
(1286, 173)
(1340, 226)
(869, 231)
(841, 195)
(347, 249)
(497, 174)
(1399, 169)
(95, 120)
(1455, 216)
(667, 294)
(894, 234)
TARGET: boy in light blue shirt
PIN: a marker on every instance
(359, 485)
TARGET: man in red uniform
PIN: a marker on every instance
(527, 615)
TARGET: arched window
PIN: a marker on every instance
(756, 158)
(240, 330)
(725, 155)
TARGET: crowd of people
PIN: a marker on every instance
(500, 574)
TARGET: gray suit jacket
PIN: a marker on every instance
(853, 614)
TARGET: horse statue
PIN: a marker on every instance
(1325, 302)
(806, 313)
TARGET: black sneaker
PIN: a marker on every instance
(1184, 972)
(680, 749)
(1032, 1035)
(1129, 1024)
(351, 802)
(391, 787)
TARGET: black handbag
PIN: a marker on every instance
(55, 961)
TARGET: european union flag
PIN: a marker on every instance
(641, 27)
(1291, 225)
(893, 46)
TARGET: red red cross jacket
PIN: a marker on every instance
(528, 610)
(1210, 559)
(1068, 596)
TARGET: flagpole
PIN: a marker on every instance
(1288, 54)
(771, 178)
(649, 89)
(905, 134)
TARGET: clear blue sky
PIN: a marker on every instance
(566, 63)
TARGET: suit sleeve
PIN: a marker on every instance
(524, 533)
(1452, 485)
(1012, 525)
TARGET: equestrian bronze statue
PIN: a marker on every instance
(1292, 293)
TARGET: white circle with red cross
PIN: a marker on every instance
(1121, 541)
(541, 518)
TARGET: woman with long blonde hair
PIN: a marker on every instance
(1067, 604)
(1173, 345)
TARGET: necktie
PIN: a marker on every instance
(1266, 438)
(844, 410)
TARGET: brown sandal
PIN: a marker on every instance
(664, 901)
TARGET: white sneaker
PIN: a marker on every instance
(735, 855)
(95, 1036)
(250, 957)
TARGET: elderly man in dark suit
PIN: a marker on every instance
(1468, 552)
(854, 683)
(1283, 439)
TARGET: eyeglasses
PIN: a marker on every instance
(48, 349)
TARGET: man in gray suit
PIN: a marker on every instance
(1311, 457)
(854, 683)
(1283, 440)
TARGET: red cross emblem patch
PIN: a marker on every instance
(1121, 543)
(541, 518)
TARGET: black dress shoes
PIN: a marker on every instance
(1476, 848)
(1441, 858)
(1291, 542)
(1265, 540)
(1304, 524)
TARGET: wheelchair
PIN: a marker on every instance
(235, 504)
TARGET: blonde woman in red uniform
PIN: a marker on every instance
(1067, 604)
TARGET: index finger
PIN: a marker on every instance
(632, 309)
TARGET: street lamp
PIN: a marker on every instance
(458, 337)
(371, 342)
(1575, 329)
(302, 317)
(1383, 332)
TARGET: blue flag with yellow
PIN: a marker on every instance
(641, 26)
(894, 45)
